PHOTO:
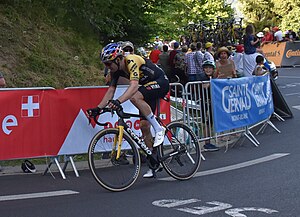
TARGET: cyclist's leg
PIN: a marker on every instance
(145, 100)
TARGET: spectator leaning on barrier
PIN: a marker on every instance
(225, 67)
(206, 110)
(268, 36)
(278, 34)
(2, 81)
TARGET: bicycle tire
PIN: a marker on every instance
(111, 174)
(181, 166)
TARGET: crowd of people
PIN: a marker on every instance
(182, 63)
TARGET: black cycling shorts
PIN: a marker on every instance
(154, 90)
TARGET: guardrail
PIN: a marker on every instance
(45, 122)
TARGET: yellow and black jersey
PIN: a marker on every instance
(138, 68)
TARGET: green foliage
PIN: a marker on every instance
(38, 52)
(272, 13)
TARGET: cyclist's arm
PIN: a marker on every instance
(131, 90)
(108, 96)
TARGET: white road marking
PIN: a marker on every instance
(37, 195)
(236, 212)
(282, 76)
(292, 94)
(234, 167)
(296, 107)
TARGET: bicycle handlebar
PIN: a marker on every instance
(119, 112)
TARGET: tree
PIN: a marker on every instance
(272, 13)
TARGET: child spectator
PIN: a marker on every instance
(260, 69)
(206, 111)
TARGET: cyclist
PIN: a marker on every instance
(153, 83)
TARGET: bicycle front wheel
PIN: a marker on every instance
(180, 138)
(112, 173)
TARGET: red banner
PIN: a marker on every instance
(41, 122)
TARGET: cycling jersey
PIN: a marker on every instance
(138, 68)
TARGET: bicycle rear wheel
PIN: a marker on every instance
(179, 137)
(111, 173)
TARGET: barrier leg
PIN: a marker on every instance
(67, 160)
(278, 116)
(262, 128)
(54, 160)
(202, 157)
(251, 137)
(273, 126)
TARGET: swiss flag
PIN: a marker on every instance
(30, 106)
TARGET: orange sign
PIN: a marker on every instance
(274, 52)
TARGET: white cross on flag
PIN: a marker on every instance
(30, 106)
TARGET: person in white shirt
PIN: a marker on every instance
(238, 60)
(278, 35)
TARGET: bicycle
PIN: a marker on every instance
(114, 158)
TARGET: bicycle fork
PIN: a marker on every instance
(118, 139)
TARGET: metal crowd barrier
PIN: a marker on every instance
(192, 104)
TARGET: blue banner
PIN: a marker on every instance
(240, 102)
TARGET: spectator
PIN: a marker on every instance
(206, 111)
(154, 54)
(163, 62)
(238, 60)
(172, 55)
(192, 70)
(158, 43)
(260, 69)
(199, 56)
(208, 55)
(278, 35)
(250, 52)
(127, 48)
(268, 36)
(225, 67)
(292, 35)
(2, 81)
(180, 66)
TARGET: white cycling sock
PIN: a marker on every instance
(151, 118)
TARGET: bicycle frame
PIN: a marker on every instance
(123, 126)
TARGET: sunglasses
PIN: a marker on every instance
(127, 49)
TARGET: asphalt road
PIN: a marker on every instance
(244, 181)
